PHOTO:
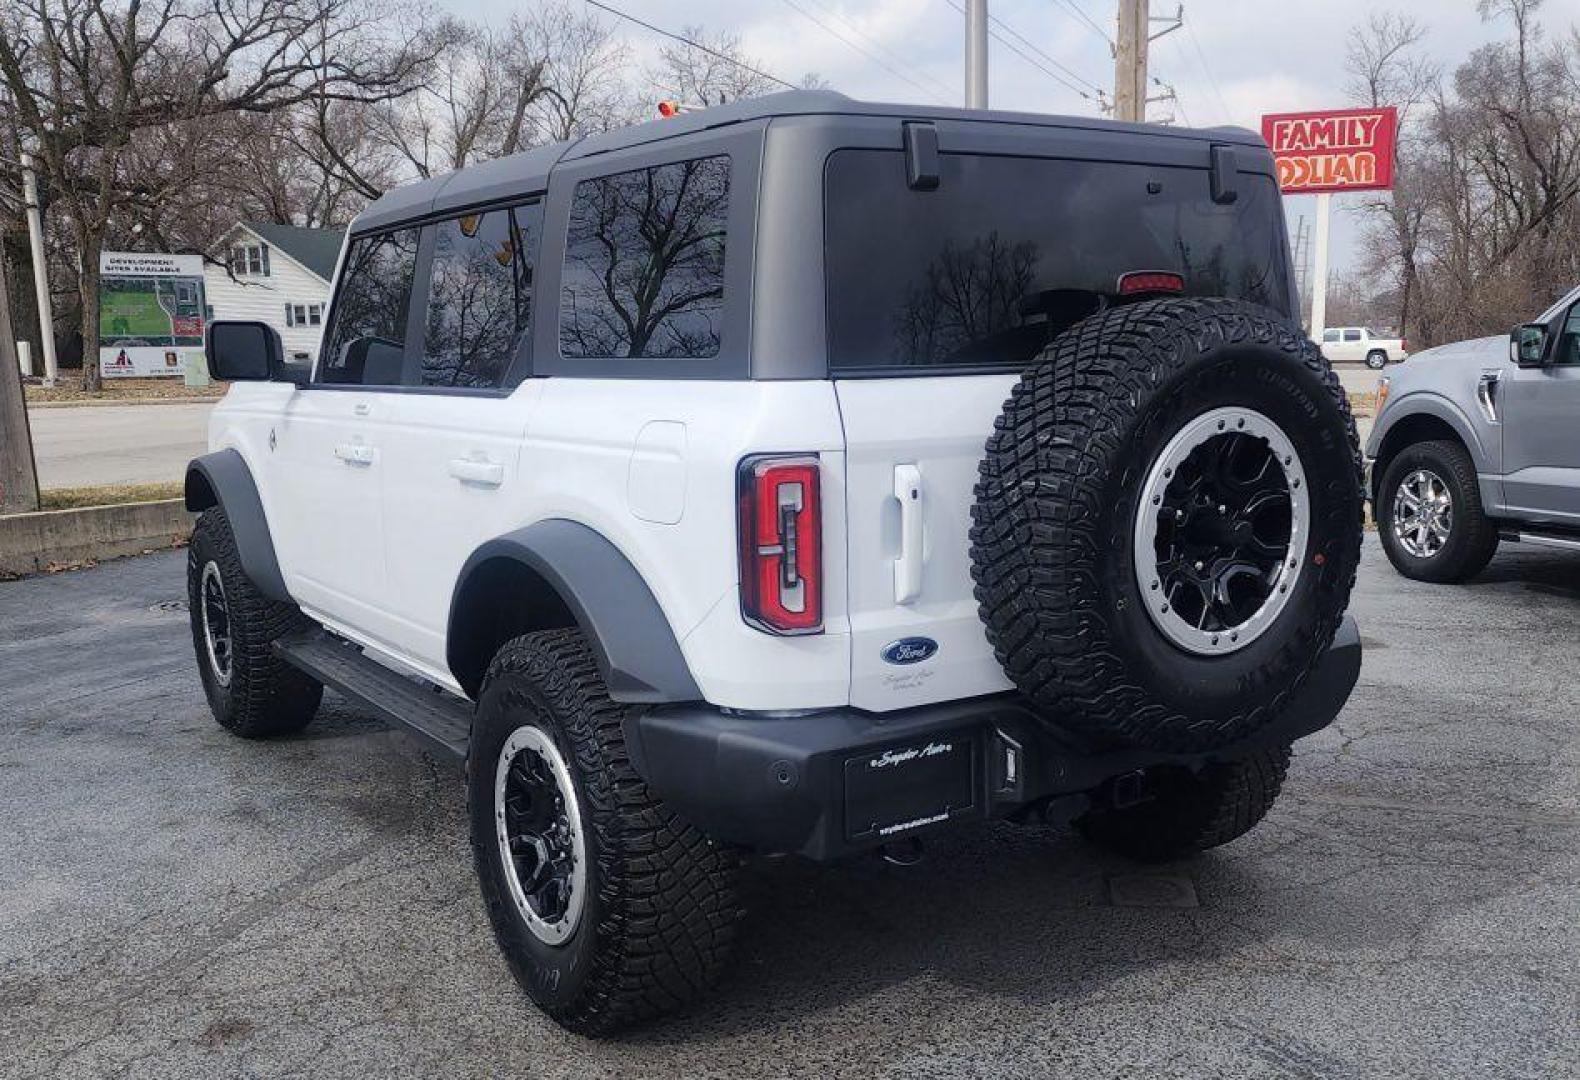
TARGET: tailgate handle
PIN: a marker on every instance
(908, 567)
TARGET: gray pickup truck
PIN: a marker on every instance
(1478, 442)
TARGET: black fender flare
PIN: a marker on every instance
(636, 649)
(222, 479)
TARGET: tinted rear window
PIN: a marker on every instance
(1010, 251)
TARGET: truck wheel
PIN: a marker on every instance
(1376, 359)
(1185, 812)
(1168, 523)
(1430, 518)
(609, 908)
(251, 691)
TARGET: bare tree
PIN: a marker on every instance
(720, 73)
(87, 79)
(1385, 68)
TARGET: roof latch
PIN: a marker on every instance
(921, 155)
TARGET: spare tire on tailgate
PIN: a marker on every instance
(1168, 522)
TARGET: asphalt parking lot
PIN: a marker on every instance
(176, 902)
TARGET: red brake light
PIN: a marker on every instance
(1150, 281)
(781, 543)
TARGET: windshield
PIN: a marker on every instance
(1009, 251)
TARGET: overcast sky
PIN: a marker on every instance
(1234, 61)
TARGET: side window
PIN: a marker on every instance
(1352, 335)
(366, 343)
(480, 299)
(1329, 337)
(1568, 348)
(644, 263)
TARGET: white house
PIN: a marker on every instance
(280, 275)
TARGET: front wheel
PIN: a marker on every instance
(609, 909)
(251, 691)
(1377, 360)
(1429, 514)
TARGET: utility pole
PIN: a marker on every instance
(976, 54)
(35, 231)
(1319, 285)
(1130, 61)
(18, 473)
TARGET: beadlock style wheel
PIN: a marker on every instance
(1221, 530)
(1423, 513)
(541, 846)
(215, 614)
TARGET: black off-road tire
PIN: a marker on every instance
(1190, 812)
(1472, 536)
(265, 696)
(1056, 509)
(661, 906)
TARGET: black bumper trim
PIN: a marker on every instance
(786, 784)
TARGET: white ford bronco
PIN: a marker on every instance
(799, 476)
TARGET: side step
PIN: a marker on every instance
(442, 721)
(1554, 539)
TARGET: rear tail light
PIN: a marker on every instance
(781, 543)
(1404, 346)
(1150, 281)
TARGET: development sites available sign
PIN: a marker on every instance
(151, 311)
(1347, 150)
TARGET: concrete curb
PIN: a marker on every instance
(30, 543)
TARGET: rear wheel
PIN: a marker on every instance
(1376, 359)
(251, 691)
(1186, 812)
(1429, 516)
(609, 908)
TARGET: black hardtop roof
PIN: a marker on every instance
(523, 173)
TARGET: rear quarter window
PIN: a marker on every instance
(1008, 252)
(644, 262)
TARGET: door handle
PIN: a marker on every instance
(355, 453)
(482, 473)
(908, 567)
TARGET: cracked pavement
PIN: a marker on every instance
(175, 902)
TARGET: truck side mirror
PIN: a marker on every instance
(1528, 345)
(248, 352)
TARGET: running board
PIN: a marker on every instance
(441, 720)
(1553, 540)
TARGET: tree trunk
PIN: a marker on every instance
(18, 474)
(89, 244)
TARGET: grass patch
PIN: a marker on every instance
(73, 498)
(70, 389)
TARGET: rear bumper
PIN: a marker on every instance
(835, 782)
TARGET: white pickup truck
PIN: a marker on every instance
(1358, 345)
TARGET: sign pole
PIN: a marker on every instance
(1319, 285)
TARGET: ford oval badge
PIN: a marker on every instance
(911, 650)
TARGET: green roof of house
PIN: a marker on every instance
(316, 249)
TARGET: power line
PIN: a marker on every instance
(694, 44)
(1022, 38)
(1087, 19)
(1010, 45)
(868, 54)
(1228, 117)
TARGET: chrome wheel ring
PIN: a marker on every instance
(1423, 513)
(215, 613)
(1221, 531)
(537, 824)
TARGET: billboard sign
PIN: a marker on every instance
(1343, 150)
(151, 313)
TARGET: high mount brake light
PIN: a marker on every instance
(781, 543)
(1150, 281)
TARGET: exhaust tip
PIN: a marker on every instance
(907, 852)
